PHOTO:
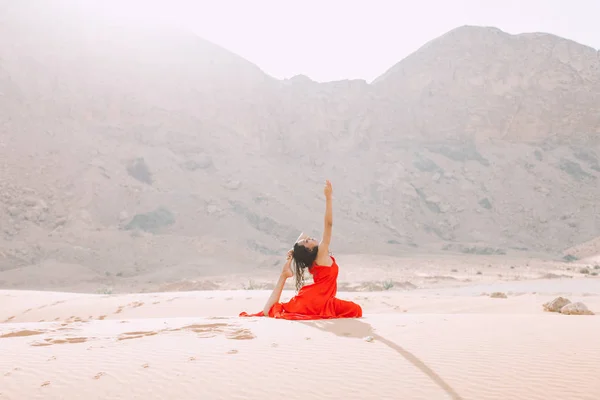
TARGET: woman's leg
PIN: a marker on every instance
(347, 309)
(286, 273)
(276, 294)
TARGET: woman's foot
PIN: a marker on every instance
(287, 268)
(287, 271)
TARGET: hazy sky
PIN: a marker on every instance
(341, 39)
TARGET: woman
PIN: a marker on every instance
(317, 300)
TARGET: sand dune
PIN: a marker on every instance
(588, 251)
(425, 345)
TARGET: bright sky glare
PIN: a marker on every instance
(358, 39)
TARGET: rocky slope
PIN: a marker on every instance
(151, 155)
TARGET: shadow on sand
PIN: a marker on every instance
(355, 328)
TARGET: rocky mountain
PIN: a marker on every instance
(484, 84)
(136, 154)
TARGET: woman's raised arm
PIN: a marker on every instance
(328, 221)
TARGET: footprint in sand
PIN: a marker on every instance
(53, 358)
(146, 366)
(211, 330)
(241, 334)
(50, 305)
(135, 304)
(47, 383)
(206, 330)
(203, 331)
(99, 375)
(192, 359)
(390, 305)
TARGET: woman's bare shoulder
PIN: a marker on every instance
(324, 259)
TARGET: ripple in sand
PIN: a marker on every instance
(136, 335)
(50, 342)
(22, 333)
(203, 331)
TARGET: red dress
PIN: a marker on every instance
(315, 301)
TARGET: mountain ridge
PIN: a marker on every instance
(172, 158)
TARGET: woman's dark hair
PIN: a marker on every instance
(303, 258)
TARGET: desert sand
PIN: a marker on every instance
(454, 342)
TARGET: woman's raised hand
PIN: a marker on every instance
(327, 190)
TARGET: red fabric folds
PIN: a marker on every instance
(315, 301)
